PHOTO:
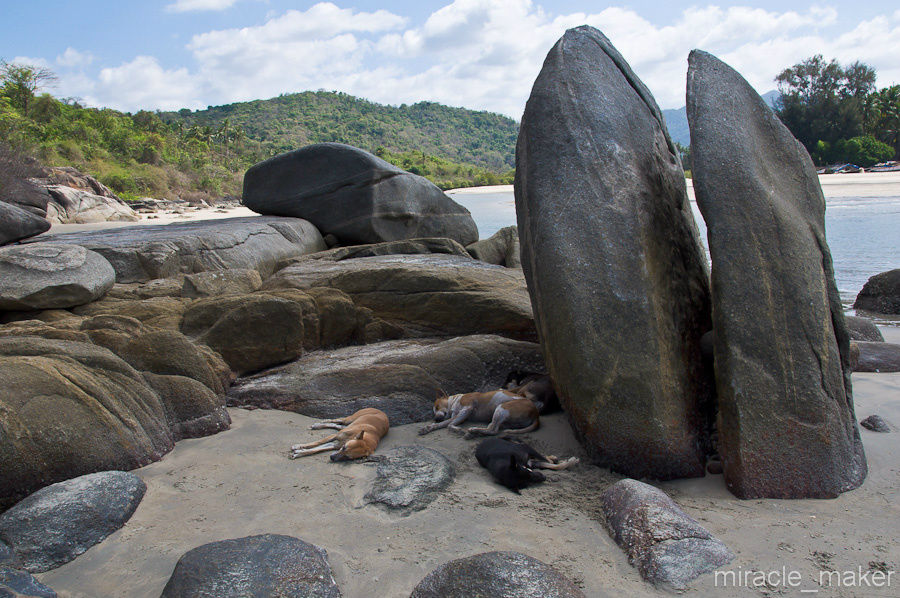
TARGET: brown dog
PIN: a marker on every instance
(500, 407)
(358, 436)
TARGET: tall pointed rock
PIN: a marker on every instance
(613, 261)
(786, 422)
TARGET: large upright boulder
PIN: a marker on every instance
(17, 224)
(355, 196)
(786, 422)
(613, 261)
(49, 276)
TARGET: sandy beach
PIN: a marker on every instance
(240, 483)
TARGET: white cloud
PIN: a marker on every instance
(198, 5)
(484, 54)
(144, 83)
(73, 58)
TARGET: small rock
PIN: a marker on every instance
(714, 467)
(876, 423)
(264, 565)
(48, 276)
(863, 329)
(16, 584)
(409, 478)
(502, 248)
(877, 357)
(221, 282)
(881, 293)
(498, 575)
(667, 546)
(56, 524)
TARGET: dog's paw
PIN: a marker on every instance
(457, 430)
(572, 461)
(425, 430)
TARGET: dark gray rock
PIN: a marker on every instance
(7, 556)
(355, 196)
(497, 575)
(613, 261)
(399, 377)
(409, 478)
(425, 295)
(16, 584)
(863, 329)
(782, 352)
(876, 423)
(142, 253)
(404, 247)
(50, 276)
(258, 566)
(881, 293)
(56, 524)
(878, 357)
(502, 248)
(17, 224)
(668, 547)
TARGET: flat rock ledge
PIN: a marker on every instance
(264, 565)
(409, 478)
(498, 575)
(877, 357)
(668, 547)
(56, 524)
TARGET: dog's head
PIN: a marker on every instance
(355, 448)
(441, 407)
(517, 476)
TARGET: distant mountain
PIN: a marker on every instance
(676, 119)
(291, 121)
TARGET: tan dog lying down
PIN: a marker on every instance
(358, 437)
(503, 408)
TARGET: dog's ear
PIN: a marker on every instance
(439, 394)
(513, 464)
(360, 435)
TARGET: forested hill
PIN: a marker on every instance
(293, 120)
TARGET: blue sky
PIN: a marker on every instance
(481, 54)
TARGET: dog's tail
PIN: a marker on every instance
(534, 426)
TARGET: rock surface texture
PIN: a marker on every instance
(613, 261)
(409, 478)
(17, 224)
(863, 329)
(142, 253)
(74, 206)
(18, 584)
(878, 357)
(425, 295)
(782, 355)
(355, 196)
(876, 423)
(265, 565)
(399, 377)
(57, 523)
(881, 293)
(48, 276)
(497, 575)
(668, 547)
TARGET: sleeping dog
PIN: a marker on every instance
(513, 463)
(537, 387)
(358, 436)
(500, 407)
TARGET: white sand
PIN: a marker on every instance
(240, 482)
(159, 218)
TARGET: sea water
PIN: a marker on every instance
(863, 232)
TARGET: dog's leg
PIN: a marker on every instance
(331, 438)
(327, 426)
(295, 453)
(535, 464)
(450, 421)
(500, 416)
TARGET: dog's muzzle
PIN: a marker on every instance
(338, 456)
(439, 416)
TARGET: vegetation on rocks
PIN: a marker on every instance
(204, 153)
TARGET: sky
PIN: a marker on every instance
(479, 54)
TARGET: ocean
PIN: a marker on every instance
(863, 232)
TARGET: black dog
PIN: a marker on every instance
(513, 463)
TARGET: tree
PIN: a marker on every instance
(19, 82)
(821, 101)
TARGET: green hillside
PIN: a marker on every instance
(191, 154)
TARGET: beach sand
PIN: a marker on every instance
(240, 482)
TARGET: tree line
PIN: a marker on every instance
(837, 112)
